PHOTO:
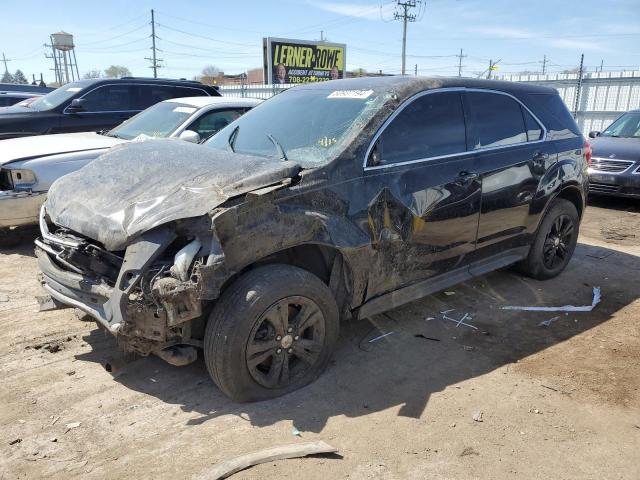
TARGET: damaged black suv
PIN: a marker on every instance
(329, 201)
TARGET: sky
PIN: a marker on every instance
(195, 33)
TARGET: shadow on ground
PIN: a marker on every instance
(420, 357)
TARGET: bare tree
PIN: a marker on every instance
(93, 74)
(209, 74)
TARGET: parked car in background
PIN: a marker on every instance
(29, 165)
(94, 105)
(615, 165)
(330, 200)
(11, 98)
(12, 93)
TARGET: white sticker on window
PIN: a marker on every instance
(361, 94)
(74, 89)
(188, 110)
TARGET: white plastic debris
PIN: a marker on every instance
(565, 308)
(184, 258)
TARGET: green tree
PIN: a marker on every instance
(19, 77)
(117, 71)
(359, 72)
(7, 78)
(93, 74)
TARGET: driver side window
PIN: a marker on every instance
(212, 122)
(109, 98)
(430, 126)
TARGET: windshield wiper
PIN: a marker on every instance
(276, 143)
(232, 138)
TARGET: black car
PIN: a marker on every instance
(93, 105)
(11, 93)
(329, 201)
(615, 165)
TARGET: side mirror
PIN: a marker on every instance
(78, 105)
(190, 136)
(594, 134)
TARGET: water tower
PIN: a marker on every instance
(64, 57)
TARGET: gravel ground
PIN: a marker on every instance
(555, 401)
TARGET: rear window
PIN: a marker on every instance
(498, 120)
(554, 114)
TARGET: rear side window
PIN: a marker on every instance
(553, 113)
(497, 120)
(534, 130)
(148, 95)
(430, 126)
(109, 98)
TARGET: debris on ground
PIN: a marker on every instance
(4, 297)
(565, 308)
(477, 417)
(379, 337)
(71, 426)
(469, 451)
(295, 432)
(459, 321)
(419, 335)
(449, 293)
(296, 450)
(468, 348)
(15, 441)
(547, 323)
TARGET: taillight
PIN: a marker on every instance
(587, 151)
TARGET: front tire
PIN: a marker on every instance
(554, 243)
(271, 332)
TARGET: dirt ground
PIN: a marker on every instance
(557, 401)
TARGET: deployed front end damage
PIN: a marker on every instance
(146, 295)
(143, 261)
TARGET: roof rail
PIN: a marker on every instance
(161, 79)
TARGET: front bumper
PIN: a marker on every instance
(119, 291)
(20, 208)
(619, 185)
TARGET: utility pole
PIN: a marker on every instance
(415, 72)
(322, 35)
(460, 57)
(576, 103)
(544, 65)
(154, 60)
(406, 17)
(601, 64)
(5, 60)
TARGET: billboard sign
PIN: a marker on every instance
(300, 61)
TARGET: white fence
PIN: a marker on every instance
(603, 95)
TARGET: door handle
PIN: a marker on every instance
(465, 177)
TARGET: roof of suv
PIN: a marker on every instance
(417, 84)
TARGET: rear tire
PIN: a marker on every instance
(271, 332)
(554, 243)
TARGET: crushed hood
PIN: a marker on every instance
(135, 187)
(15, 149)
